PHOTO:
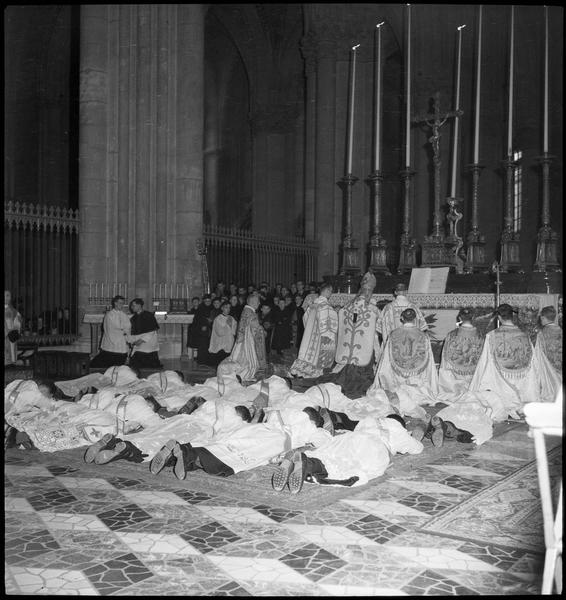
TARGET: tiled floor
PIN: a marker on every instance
(71, 534)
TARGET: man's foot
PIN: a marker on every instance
(191, 405)
(160, 459)
(120, 450)
(185, 456)
(437, 436)
(421, 428)
(280, 478)
(297, 476)
(102, 444)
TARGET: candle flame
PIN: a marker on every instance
(380, 24)
(356, 47)
(461, 27)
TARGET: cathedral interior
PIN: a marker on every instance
(152, 150)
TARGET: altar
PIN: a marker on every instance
(171, 327)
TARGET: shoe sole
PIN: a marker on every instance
(437, 437)
(179, 469)
(418, 434)
(105, 456)
(95, 448)
(280, 478)
(296, 477)
(158, 461)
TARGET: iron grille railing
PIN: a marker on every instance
(40, 269)
(243, 257)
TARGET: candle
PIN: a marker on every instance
(510, 124)
(545, 142)
(96, 289)
(377, 157)
(478, 86)
(408, 135)
(350, 139)
(102, 290)
(457, 119)
(89, 291)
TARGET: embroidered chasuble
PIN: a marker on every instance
(320, 320)
(505, 366)
(547, 358)
(249, 348)
(460, 354)
(407, 359)
(390, 317)
(357, 340)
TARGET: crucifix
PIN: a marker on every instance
(435, 121)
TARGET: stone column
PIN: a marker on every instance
(141, 139)
(187, 143)
(93, 125)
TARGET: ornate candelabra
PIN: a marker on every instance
(475, 241)
(546, 239)
(378, 245)
(454, 242)
(350, 264)
(408, 252)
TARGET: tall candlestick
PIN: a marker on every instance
(352, 88)
(510, 125)
(478, 87)
(456, 118)
(408, 118)
(377, 153)
(545, 142)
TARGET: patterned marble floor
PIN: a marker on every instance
(67, 534)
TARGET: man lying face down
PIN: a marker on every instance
(236, 442)
(351, 458)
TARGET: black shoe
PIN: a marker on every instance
(191, 405)
(159, 461)
(280, 478)
(122, 450)
(297, 476)
(437, 435)
(185, 455)
(103, 443)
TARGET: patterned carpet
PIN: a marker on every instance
(506, 513)
(73, 531)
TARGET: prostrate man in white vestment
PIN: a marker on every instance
(548, 354)
(349, 459)
(460, 354)
(407, 359)
(249, 349)
(506, 365)
(390, 317)
(319, 339)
